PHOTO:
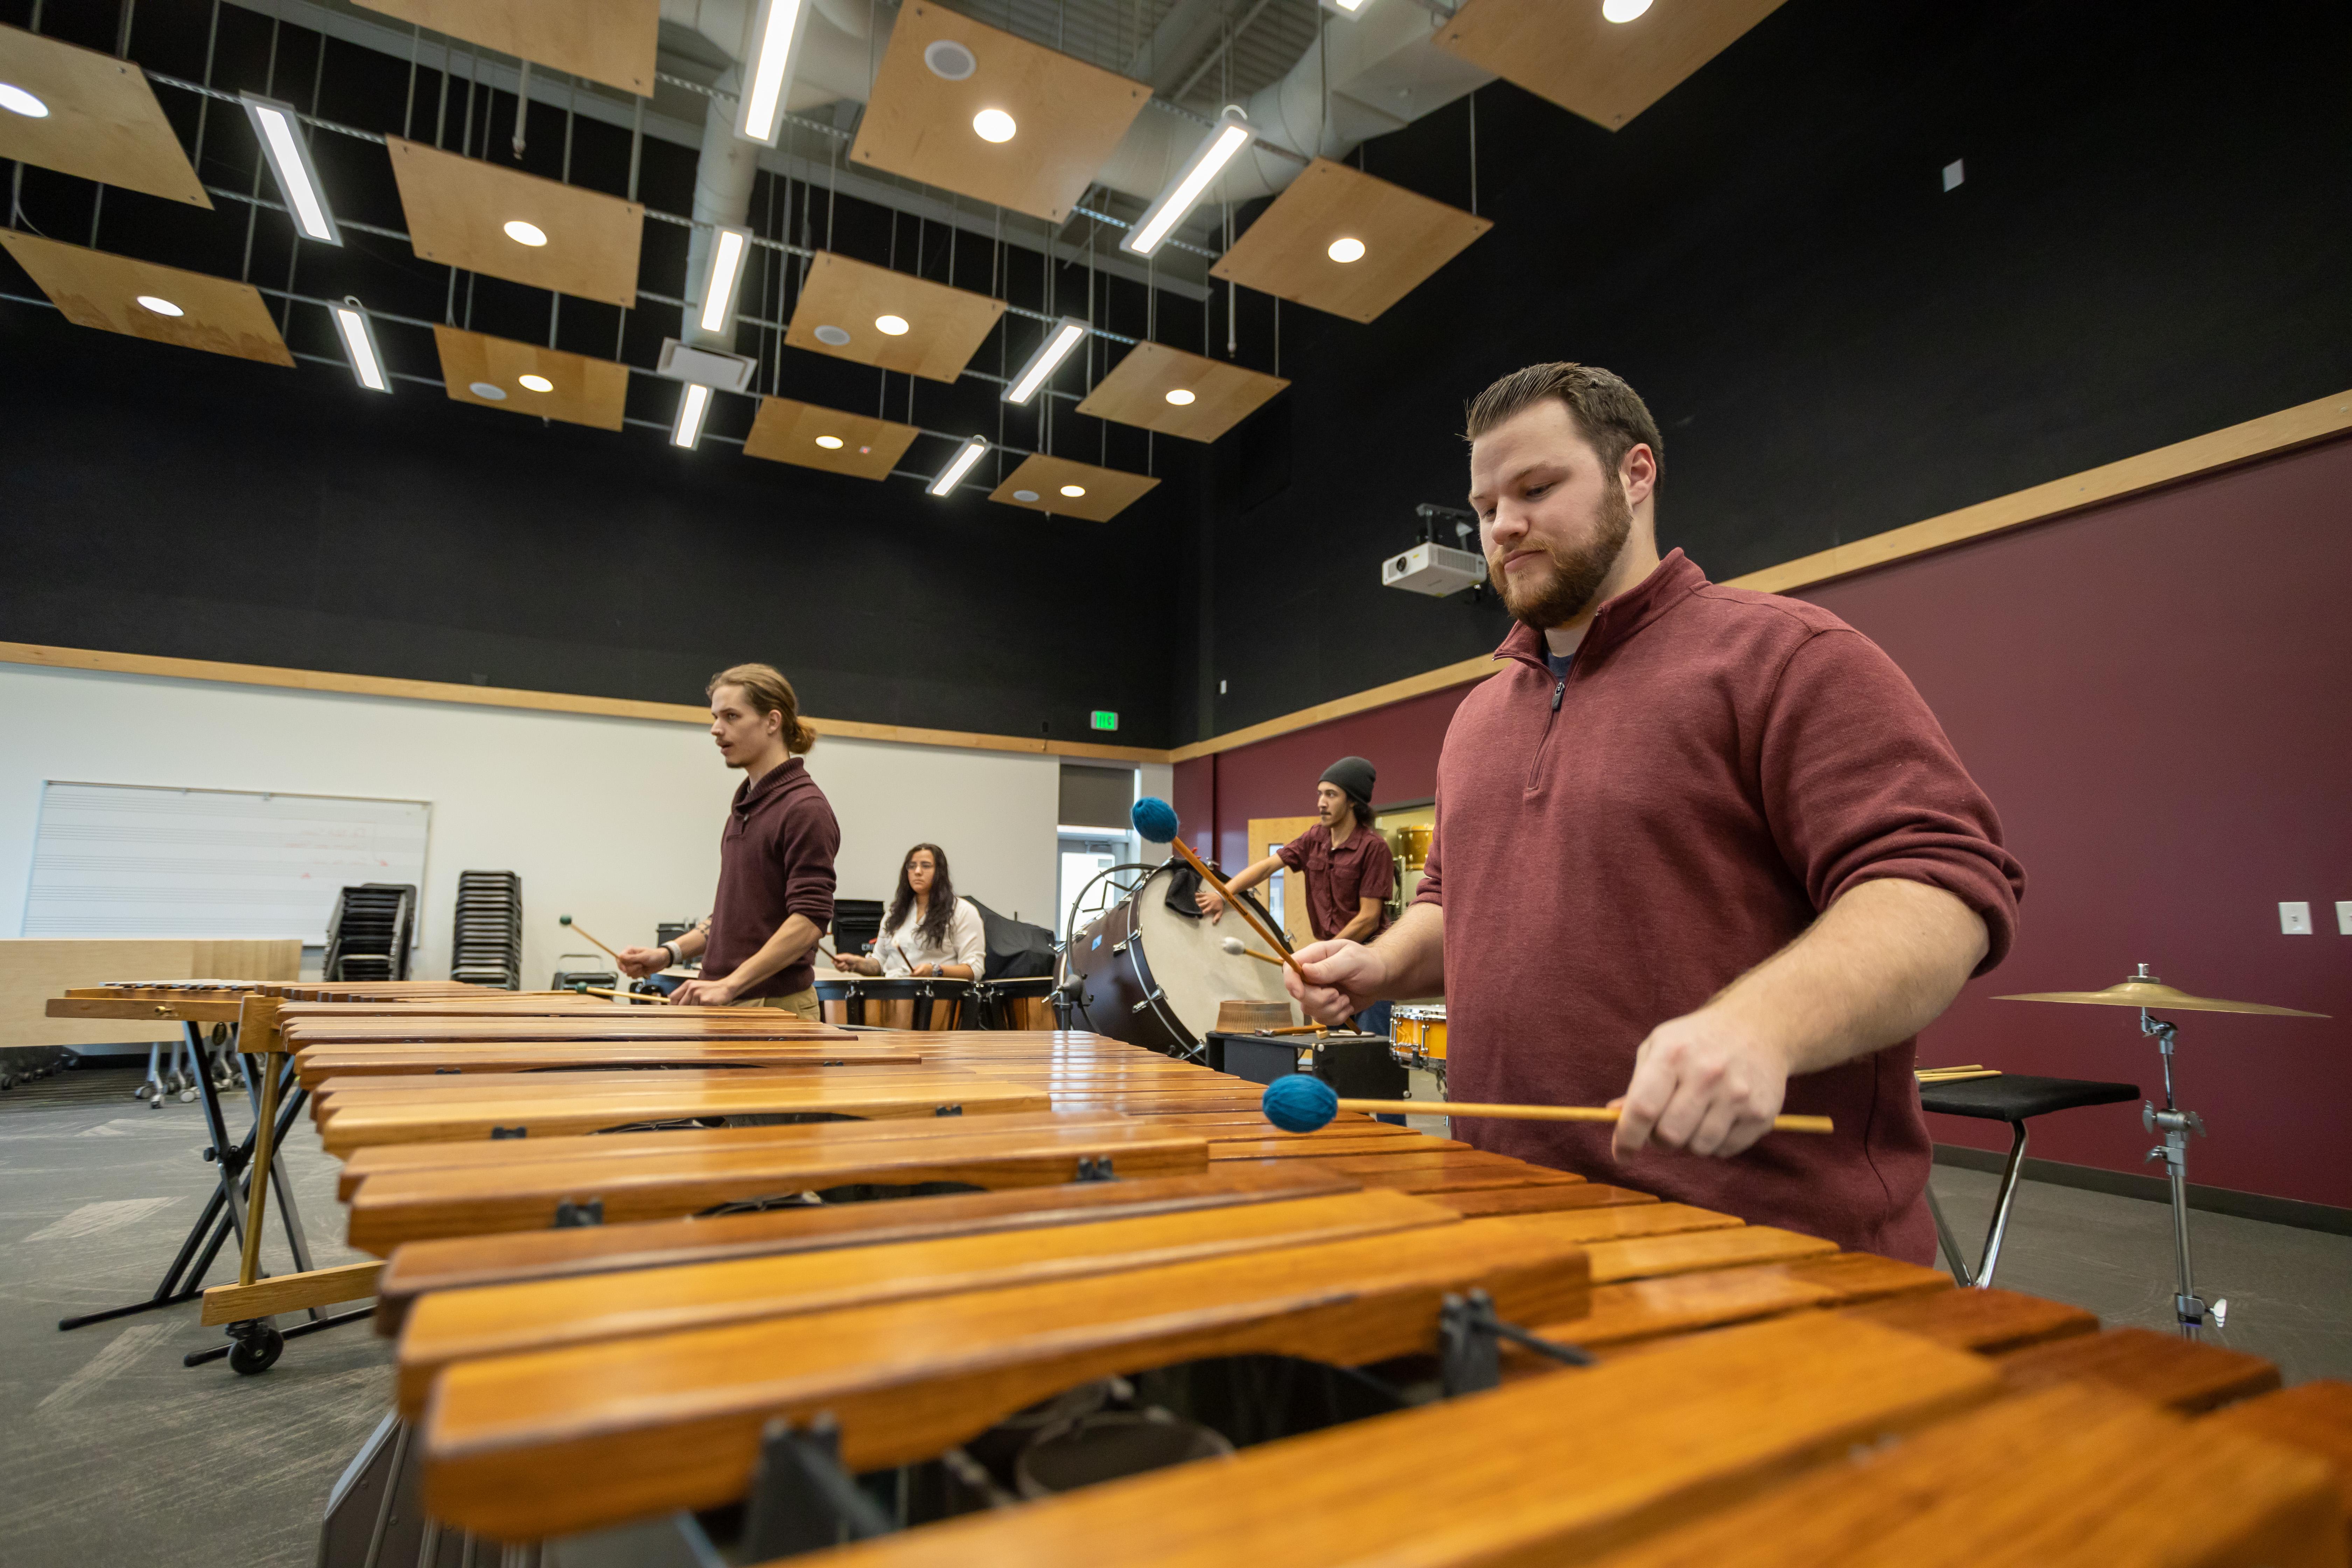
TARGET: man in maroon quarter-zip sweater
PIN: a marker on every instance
(1700, 850)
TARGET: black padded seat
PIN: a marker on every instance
(2016, 1098)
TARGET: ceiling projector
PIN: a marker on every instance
(1437, 569)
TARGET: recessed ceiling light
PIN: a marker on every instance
(896, 326)
(1178, 396)
(949, 60)
(831, 337)
(17, 100)
(489, 389)
(1024, 495)
(830, 443)
(160, 305)
(1623, 10)
(536, 384)
(1073, 490)
(1346, 250)
(994, 125)
(523, 232)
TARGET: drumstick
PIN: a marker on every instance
(622, 995)
(1237, 947)
(1156, 820)
(584, 931)
(1302, 1103)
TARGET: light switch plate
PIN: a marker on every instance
(2295, 919)
(2344, 916)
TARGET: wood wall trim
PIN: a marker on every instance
(2268, 437)
(543, 701)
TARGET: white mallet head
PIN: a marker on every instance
(1234, 945)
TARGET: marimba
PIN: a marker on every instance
(878, 1335)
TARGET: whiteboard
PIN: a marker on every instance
(135, 861)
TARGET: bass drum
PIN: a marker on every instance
(1153, 977)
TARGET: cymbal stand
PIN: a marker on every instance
(2176, 1124)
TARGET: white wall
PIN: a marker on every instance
(613, 821)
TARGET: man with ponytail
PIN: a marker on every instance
(775, 858)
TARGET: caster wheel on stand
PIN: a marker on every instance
(257, 1349)
(156, 1103)
(188, 1096)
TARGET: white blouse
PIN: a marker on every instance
(967, 942)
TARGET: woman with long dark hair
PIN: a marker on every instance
(927, 928)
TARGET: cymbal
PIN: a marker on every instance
(2154, 995)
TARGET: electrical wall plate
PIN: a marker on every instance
(2294, 919)
(707, 367)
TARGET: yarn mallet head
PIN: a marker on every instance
(1155, 819)
(563, 920)
(1299, 1103)
(1234, 945)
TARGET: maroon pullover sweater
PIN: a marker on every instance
(1614, 847)
(775, 861)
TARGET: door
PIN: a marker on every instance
(1267, 834)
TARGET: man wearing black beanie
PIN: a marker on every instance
(1347, 871)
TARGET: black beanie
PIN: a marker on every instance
(1354, 775)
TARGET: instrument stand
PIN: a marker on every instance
(2176, 1124)
(1470, 1336)
(223, 1210)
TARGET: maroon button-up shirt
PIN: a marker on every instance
(1616, 845)
(775, 860)
(1337, 878)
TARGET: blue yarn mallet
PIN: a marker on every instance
(1156, 820)
(1304, 1104)
(1300, 1104)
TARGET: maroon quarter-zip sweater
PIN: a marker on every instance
(775, 861)
(1615, 846)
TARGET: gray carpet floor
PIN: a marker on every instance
(116, 1454)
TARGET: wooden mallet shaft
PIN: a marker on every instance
(1541, 1112)
(1241, 949)
(584, 931)
(1246, 913)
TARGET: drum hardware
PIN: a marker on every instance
(1470, 1336)
(2144, 990)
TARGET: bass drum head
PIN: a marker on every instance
(1163, 990)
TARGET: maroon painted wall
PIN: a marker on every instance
(2154, 695)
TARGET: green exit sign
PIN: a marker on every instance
(1106, 720)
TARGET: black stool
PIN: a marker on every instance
(2014, 1098)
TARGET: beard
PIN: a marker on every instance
(1567, 591)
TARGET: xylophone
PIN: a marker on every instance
(912, 1337)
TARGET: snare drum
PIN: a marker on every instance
(1420, 1036)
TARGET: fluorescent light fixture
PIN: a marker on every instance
(289, 160)
(352, 324)
(776, 39)
(160, 306)
(523, 232)
(1179, 396)
(1060, 339)
(1346, 250)
(1231, 134)
(535, 384)
(994, 125)
(1623, 10)
(690, 410)
(727, 253)
(17, 100)
(960, 464)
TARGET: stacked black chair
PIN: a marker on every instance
(368, 935)
(486, 942)
(855, 923)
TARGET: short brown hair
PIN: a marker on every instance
(1611, 413)
(767, 691)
